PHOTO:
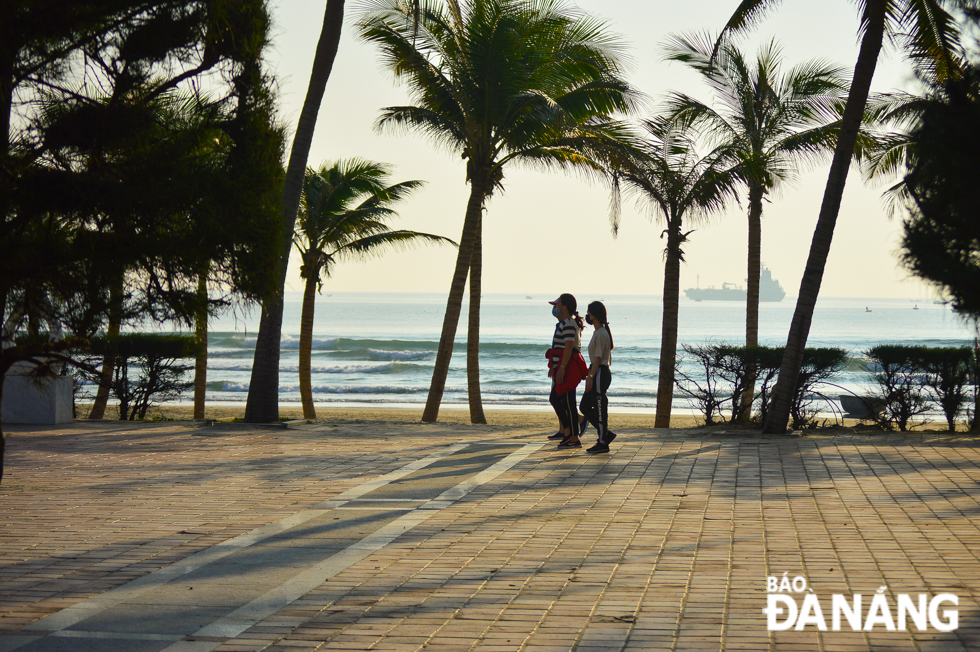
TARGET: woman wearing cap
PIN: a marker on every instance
(566, 367)
(595, 405)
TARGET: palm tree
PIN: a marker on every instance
(343, 214)
(677, 185)
(770, 122)
(930, 38)
(262, 405)
(500, 81)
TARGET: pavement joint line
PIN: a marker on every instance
(144, 636)
(272, 601)
(74, 614)
(387, 478)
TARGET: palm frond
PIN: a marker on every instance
(768, 121)
(746, 16)
(343, 203)
(673, 182)
(378, 244)
(932, 39)
(505, 80)
(413, 118)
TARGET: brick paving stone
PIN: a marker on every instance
(664, 544)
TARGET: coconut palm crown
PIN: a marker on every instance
(343, 216)
(534, 82)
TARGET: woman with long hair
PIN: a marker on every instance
(566, 366)
(595, 404)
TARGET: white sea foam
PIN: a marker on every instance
(399, 355)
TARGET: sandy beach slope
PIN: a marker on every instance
(509, 418)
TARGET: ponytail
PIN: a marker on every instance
(579, 321)
(599, 311)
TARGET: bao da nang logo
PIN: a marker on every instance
(791, 604)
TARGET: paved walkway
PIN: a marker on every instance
(189, 538)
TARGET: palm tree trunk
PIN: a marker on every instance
(7, 59)
(109, 360)
(789, 370)
(5, 365)
(262, 405)
(471, 227)
(473, 330)
(306, 345)
(668, 330)
(4, 368)
(752, 294)
(201, 361)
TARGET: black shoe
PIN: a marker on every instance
(582, 427)
(557, 435)
(598, 448)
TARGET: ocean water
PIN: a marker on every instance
(376, 349)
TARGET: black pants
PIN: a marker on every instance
(564, 405)
(595, 405)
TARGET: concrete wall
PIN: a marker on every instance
(27, 401)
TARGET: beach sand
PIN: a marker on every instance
(539, 420)
(453, 416)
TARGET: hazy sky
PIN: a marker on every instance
(521, 253)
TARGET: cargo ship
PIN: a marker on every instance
(769, 290)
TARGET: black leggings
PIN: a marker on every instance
(595, 405)
(564, 405)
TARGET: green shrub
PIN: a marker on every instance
(706, 394)
(897, 372)
(946, 374)
(725, 367)
(155, 358)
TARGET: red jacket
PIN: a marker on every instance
(574, 372)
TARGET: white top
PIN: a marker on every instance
(600, 351)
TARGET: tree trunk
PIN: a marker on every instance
(7, 60)
(306, 344)
(975, 421)
(752, 294)
(109, 360)
(668, 330)
(3, 442)
(262, 405)
(5, 364)
(201, 362)
(4, 368)
(122, 381)
(473, 330)
(471, 227)
(789, 370)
